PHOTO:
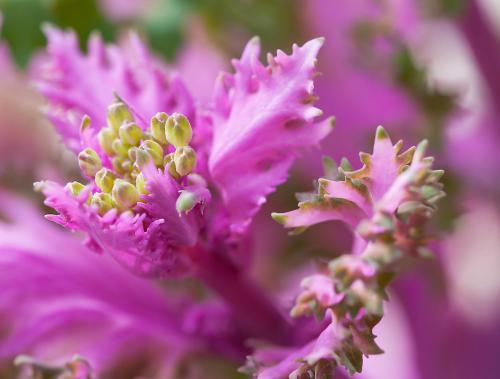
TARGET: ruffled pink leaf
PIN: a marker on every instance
(355, 196)
(76, 84)
(141, 244)
(317, 358)
(318, 293)
(321, 210)
(159, 204)
(58, 300)
(263, 117)
(383, 166)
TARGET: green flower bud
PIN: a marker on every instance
(117, 163)
(104, 179)
(169, 162)
(74, 188)
(142, 158)
(118, 113)
(185, 202)
(140, 184)
(130, 134)
(120, 148)
(103, 202)
(154, 150)
(89, 161)
(106, 136)
(124, 194)
(132, 153)
(158, 127)
(85, 123)
(185, 160)
(127, 166)
(178, 130)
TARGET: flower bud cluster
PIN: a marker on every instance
(125, 150)
(75, 368)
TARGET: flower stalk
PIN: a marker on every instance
(256, 311)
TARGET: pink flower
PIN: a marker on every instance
(262, 116)
(171, 194)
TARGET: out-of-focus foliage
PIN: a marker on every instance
(22, 21)
(275, 21)
(164, 22)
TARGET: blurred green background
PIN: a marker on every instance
(163, 22)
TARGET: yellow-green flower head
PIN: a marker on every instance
(185, 160)
(118, 114)
(89, 161)
(178, 130)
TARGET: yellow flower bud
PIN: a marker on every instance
(103, 202)
(124, 194)
(106, 136)
(169, 162)
(185, 202)
(127, 166)
(140, 184)
(74, 188)
(85, 123)
(132, 154)
(178, 130)
(117, 163)
(89, 161)
(158, 127)
(154, 150)
(142, 158)
(120, 148)
(185, 160)
(104, 179)
(130, 134)
(118, 113)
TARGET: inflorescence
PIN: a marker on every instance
(127, 148)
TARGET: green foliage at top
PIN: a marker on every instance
(22, 21)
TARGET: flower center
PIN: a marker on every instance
(125, 148)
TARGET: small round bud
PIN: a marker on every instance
(118, 113)
(154, 150)
(169, 162)
(124, 194)
(185, 202)
(132, 153)
(142, 158)
(158, 127)
(178, 130)
(103, 202)
(185, 160)
(106, 136)
(104, 179)
(130, 134)
(89, 161)
(117, 163)
(85, 123)
(127, 166)
(120, 148)
(140, 184)
(74, 188)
